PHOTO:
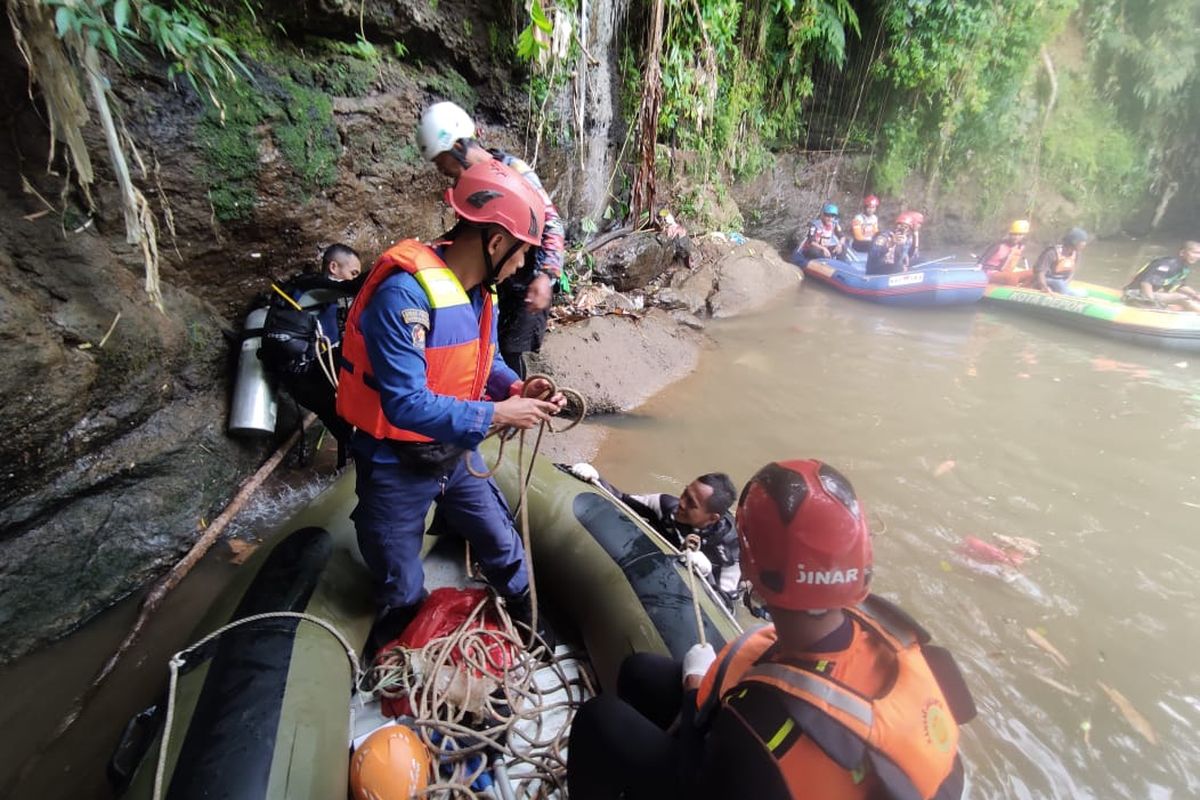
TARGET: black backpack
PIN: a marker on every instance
(289, 335)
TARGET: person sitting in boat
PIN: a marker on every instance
(891, 250)
(1007, 255)
(865, 225)
(417, 357)
(1161, 282)
(702, 512)
(824, 238)
(843, 696)
(914, 220)
(1057, 264)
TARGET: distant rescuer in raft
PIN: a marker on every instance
(842, 698)
(824, 238)
(865, 225)
(1162, 281)
(891, 251)
(446, 135)
(701, 512)
(418, 354)
(1057, 264)
(1007, 255)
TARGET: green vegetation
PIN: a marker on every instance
(449, 85)
(299, 119)
(963, 92)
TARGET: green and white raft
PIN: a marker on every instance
(1101, 312)
(265, 709)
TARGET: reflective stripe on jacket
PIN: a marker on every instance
(875, 710)
(458, 347)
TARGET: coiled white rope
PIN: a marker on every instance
(521, 701)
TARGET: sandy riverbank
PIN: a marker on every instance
(619, 361)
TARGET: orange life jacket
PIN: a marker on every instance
(870, 719)
(458, 347)
(864, 227)
(1006, 258)
(1064, 265)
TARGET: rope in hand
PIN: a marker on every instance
(525, 476)
(180, 659)
(482, 712)
(692, 545)
(507, 433)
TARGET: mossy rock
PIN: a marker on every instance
(297, 116)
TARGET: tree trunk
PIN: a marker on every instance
(642, 196)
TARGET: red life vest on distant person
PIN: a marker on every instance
(1006, 258)
(458, 347)
(868, 718)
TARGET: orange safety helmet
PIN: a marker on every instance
(803, 532)
(392, 764)
(490, 193)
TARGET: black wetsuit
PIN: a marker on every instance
(1164, 274)
(718, 542)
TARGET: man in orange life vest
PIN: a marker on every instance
(843, 697)
(1006, 255)
(1058, 263)
(418, 356)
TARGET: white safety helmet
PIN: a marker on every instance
(441, 126)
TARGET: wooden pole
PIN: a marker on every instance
(153, 600)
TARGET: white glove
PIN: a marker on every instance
(698, 561)
(697, 660)
(584, 471)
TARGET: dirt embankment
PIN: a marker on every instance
(619, 358)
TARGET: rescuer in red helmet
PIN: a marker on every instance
(422, 382)
(841, 697)
(865, 225)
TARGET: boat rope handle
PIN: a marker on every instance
(692, 545)
(180, 659)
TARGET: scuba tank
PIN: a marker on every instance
(253, 409)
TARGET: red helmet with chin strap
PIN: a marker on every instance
(803, 532)
(490, 193)
(871, 200)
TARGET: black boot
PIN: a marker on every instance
(389, 624)
(520, 611)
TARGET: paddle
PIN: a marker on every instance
(927, 263)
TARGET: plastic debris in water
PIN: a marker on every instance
(1131, 714)
(944, 467)
(1051, 650)
(1067, 690)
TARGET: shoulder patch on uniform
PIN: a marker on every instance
(415, 316)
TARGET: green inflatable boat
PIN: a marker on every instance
(1101, 311)
(265, 710)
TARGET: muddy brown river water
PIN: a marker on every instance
(951, 423)
(972, 422)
